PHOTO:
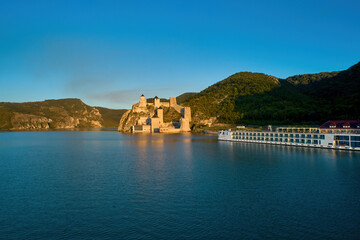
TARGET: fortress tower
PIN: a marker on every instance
(186, 113)
(156, 102)
(173, 101)
(142, 102)
(160, 114)
(155, 123)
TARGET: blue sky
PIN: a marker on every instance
(110, 52)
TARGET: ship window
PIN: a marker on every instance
(355, 144)
(322, 136)
(276, 139)
(342, 138)
(302, 135)
(344, 143)
(355, 138)
(297, 135)
(316, 142)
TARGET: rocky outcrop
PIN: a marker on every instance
(21, 121)
(131, 117)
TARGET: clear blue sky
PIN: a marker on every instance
(109, 52)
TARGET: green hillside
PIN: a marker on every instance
(223, 100)
(339, 93)
(111, 117)
(257, 98)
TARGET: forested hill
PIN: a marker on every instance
(56, 114)
(261, 99)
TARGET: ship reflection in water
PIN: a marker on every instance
(106, 185)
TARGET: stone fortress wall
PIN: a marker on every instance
(149, 117)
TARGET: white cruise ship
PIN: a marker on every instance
(332, 134)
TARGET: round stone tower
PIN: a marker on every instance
(142, 102)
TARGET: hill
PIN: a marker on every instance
(184, 97)
(338, 92)
(111, 117)
(258, 98)
(55, 114)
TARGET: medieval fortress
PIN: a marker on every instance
(148, 117)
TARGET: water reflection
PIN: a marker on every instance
(108, 185)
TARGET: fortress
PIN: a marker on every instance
(149, 117)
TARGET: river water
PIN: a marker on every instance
(106, 185)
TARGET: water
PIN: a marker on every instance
(106, 185)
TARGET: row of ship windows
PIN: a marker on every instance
(309, 141)
(280, 135)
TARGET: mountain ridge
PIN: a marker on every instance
(55, 114)
(241, 98)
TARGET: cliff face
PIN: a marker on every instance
(50, 114)
(130, 117)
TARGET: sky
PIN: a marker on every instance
(108, 53)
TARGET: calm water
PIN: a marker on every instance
(106, 185)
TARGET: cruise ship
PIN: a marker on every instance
(332, 135)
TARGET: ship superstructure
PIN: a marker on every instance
(332, 134)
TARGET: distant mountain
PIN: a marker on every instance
(55, 114)
(258, 98)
